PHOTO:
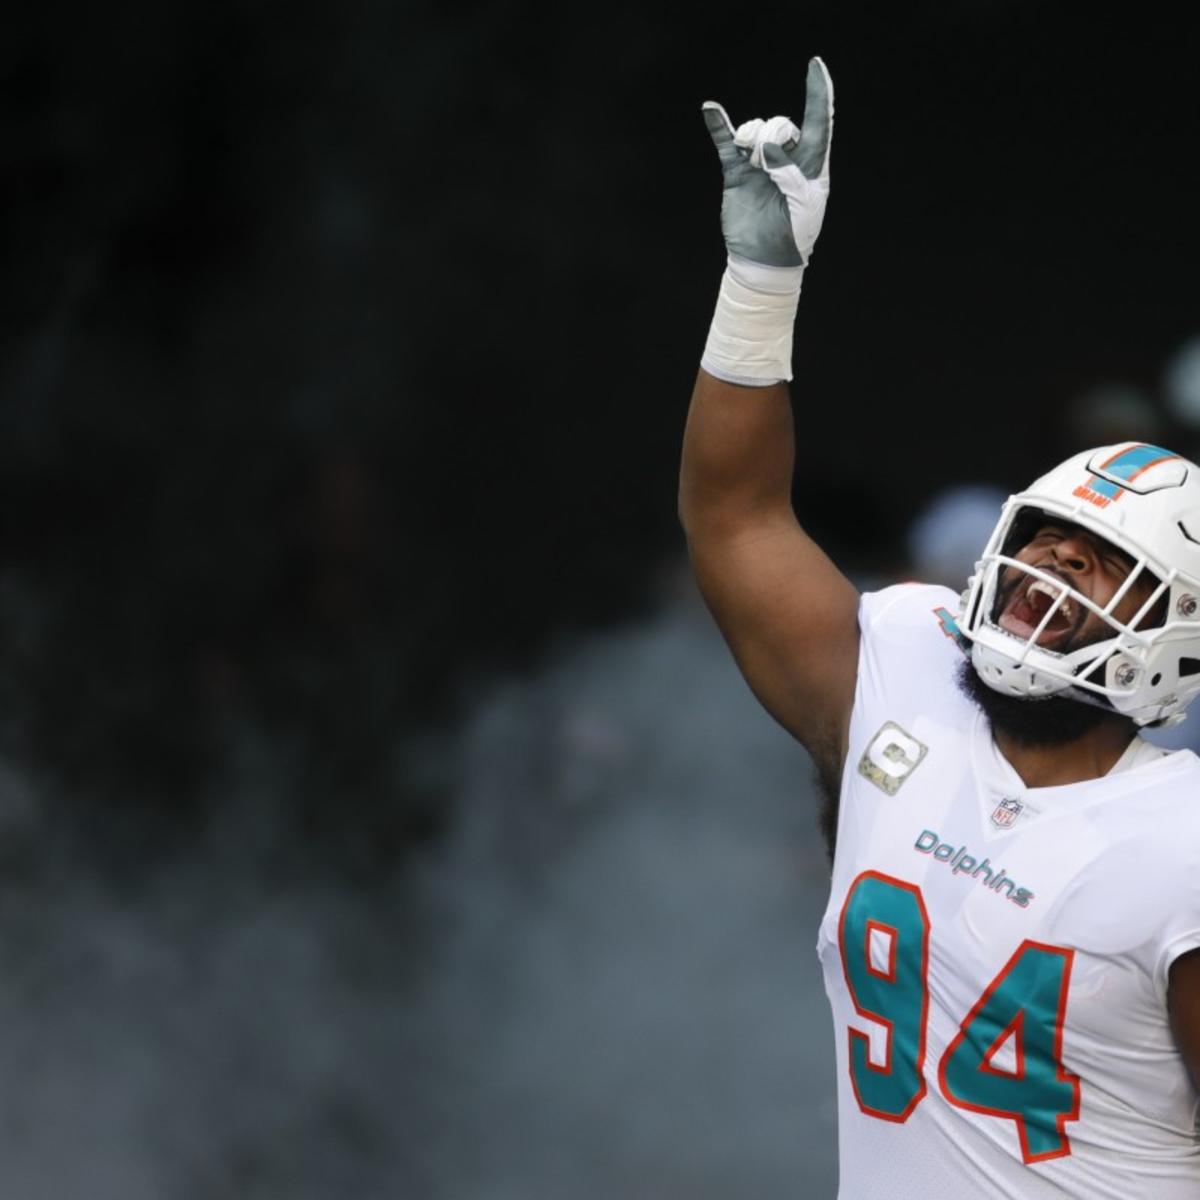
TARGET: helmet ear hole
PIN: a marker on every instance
(1156, 679)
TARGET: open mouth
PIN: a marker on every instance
(1029, 603)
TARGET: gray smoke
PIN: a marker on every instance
(601, 984)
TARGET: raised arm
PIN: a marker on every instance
(788, 614)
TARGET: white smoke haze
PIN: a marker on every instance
(602, 983)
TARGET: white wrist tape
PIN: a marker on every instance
(750, 340)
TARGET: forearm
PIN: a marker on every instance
(738, 457)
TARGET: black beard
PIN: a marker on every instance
(1050, 721)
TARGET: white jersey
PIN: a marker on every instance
(996, 956)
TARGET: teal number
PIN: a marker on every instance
(891, 991)
(1027, 1001)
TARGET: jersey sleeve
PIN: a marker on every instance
(1179, 944)
(1152, 870)
(1179, 930)
(908, 645)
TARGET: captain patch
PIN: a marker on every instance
(891, 757)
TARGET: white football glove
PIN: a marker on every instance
(776, 177)
(776, 185)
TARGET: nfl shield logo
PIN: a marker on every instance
(1006, 812)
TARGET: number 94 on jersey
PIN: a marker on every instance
(1005, 1060)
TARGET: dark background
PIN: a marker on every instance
(345, 358)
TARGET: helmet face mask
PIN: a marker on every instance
(1141, 655)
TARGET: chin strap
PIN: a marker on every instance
(1090, 698)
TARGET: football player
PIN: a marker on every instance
(1010, 945)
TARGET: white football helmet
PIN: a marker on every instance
(1145, 501)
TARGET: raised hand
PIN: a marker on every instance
(776, 177)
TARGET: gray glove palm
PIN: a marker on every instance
(775, 193)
